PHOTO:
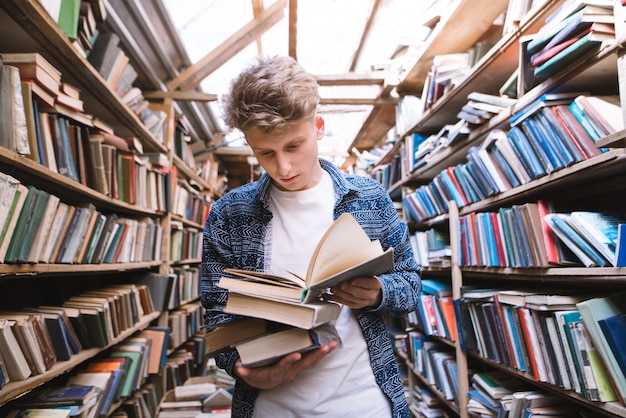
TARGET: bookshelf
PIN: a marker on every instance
(25, 27)
(589, 183)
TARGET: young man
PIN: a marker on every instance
(275, 223)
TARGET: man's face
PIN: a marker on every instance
(290, 159)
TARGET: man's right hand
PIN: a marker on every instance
(285, 370)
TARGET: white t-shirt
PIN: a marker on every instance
(342, 384)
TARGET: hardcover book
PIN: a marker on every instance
(345, 251)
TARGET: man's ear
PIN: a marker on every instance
(319, 125)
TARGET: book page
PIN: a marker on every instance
(344, 244)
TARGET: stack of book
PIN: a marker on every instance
(575, 29)
(345, 251)
(436, 363)
(481, 107)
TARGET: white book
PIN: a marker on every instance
(12, 355)
(54, 232)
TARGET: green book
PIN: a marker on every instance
(594, 310)
(68, 17)
(28, 220)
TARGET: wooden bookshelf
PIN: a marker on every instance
(26, 27)
(599, 72)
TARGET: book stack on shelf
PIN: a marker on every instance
(435, 362)
(568, 35)
(38, 227)
(431, 248)
(435, 313)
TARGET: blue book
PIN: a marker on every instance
(480, 170)
(620, 248)
(508, 237)
(451, 187)
(561, 139)
(562, 153)
(525, 252)
(461, 175)
(505, 166)
(436, 287)
(544, 151)
(474, 182)
(614, 330)
(578, 112)
(526, 152)
(571, 54)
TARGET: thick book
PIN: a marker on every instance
(614, 330)
(591, 312)
(297, 314)
(344, 252)
(13, 357)
(269, 348)
(222, 337)
(572, 54)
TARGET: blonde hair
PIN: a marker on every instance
(270, 96)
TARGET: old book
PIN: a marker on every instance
(55, 237)
(34, 66)
(221, 338)
(345, 251)
(17, 204)
(104, 52)
(297, 314)
(96, 164)
(269, 348)
(37, 246)
(12, 355)
(27, 224)
(13, 128)
(594, 310)
(8, 188)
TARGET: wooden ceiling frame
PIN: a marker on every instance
(364, 35)
(193, 75)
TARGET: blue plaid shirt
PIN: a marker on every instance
(235, 236)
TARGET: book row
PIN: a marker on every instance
(571, 341)
(33, 340)
(34, 86)
(105, 382)
(185, 242)
(543, 138)
(533, 235)
(37, 227)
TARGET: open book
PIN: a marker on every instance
(344, 252)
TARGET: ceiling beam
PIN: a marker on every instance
(359, 101)
(364, 35)
(293, 29)
(351, 79)
(192, 76)
(257, 9)
(188, 96)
